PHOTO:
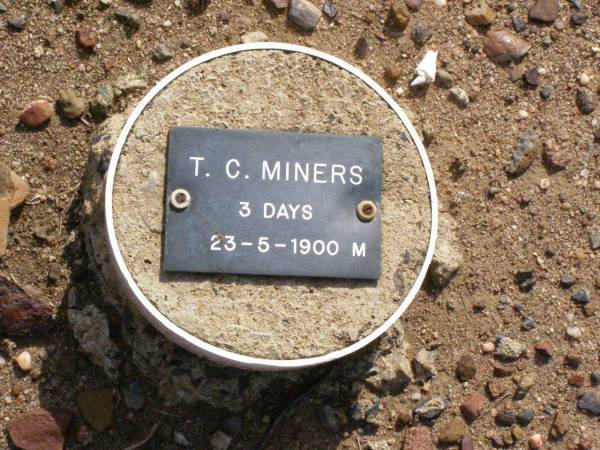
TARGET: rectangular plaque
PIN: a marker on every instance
(272, 203)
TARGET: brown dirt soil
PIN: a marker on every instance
(518, 227)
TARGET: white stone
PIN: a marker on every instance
(180, 439)
(584, 79)
(574, 332)
(220, 441)
(24, 361)
(254, 36)
(38, 51)
(535, 441)
(447, 257)
(488, 347)
(439, 3)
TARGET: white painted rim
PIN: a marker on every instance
(198, 346)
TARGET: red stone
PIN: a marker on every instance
(36, 113)
(467, 444)
(39, 429)
(414, 5)
(472, 406)
(418, 438)
(544, 10)
(576, 380)
(556, 157)
(109, 63)
(20, 314)
(392, 72)
(87, 38)
(544, 348)
(502, 46)
(586, 441)
(573, 361)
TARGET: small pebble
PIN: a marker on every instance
(532, 77)
(585, 101)
(544, 349)
(36, 113)
(509, 349)
(421, 34)
(418, 438)
(24, 361)
(330, 10)
(220, 441)
(129, 17)
(544, 11)
(584, 79)
(16, 22)
(488, 347)
(502, 46)
(472, 406)
(574, 332)
(525, 417)
(180, 439)
(304, 14)
(444, 78)
(546, 92)
(589, 403)
(535, 441)
(518, 24)
(431, 408)
(361, 49)
(526, 151)
(459, 96)
(86, 37)
(581, 297)
(71, 104)
(162, 53)
(254, 36)
(278, 4)
(528, 324)
(578, 19)
(392, 72)
(399, 14)
(466, 368)
(506, 418)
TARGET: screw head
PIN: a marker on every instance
(366, 210)
(180, 199)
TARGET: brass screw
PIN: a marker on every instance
(366, 210)
(180, 199)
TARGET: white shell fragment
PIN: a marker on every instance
(426, 69)
(439, 3)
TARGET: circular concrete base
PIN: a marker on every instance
(252, 321)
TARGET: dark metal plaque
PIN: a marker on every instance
(272, 203)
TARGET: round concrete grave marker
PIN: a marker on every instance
(270, 206)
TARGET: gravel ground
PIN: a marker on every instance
(521, 235)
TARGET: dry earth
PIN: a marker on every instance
(540, 220)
